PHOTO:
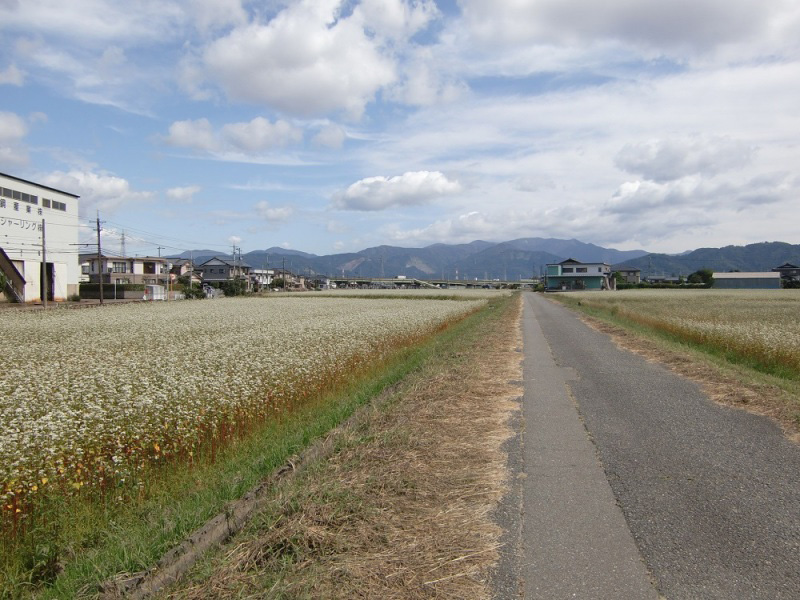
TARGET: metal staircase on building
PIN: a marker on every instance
(14, 281)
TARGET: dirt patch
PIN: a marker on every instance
(722, 386)
(401, 506)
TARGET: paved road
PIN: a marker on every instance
(693, 500)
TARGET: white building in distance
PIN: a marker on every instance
(34, 219)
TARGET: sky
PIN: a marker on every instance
(331, 126)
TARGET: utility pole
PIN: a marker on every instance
(99, 258)
(284, 273)
(45, 282)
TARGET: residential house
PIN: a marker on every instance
(182, 267)
(145, 270)
(260, 279)
(292, 281)
(629, 274)
(788, 271)
(217, 270)
(38, 238)
(572, 274)
(768, 280)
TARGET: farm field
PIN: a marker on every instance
(91, 400)
(758, 328)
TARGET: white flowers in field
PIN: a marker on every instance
(88, 397)
(762, 325)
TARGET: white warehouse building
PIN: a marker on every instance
(37, 220)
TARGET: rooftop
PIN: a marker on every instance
(748, 275)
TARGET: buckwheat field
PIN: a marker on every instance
(760, 326)
(89, 398)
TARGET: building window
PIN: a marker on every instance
(120, 267)
(580, 270)
(46, 202)
(566, 270)
(58, 205)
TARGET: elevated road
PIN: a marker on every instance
(395, 282)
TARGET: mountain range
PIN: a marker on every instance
(762, 256)
(511, 260)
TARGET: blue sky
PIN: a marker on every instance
(330, 126)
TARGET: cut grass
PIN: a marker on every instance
(399, 504)
(725, 377)
(99, 542)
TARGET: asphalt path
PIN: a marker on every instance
(693, 499)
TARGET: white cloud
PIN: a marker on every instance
(93, 21)
(409, 189)
(12, 76)
(251, 137)
(423, 82)
(216, 14)
(677, 25)
(309, 59)
(330, 136)
(183, 194)
(12, 128)
(234, 240)
(273, 214)
(259, 134)
(12, 133)
(646, 199)
(197, 135)
(668, 159)
(97, 191)
(396, 19)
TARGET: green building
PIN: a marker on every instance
(575, 275)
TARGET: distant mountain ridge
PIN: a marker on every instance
(762, 256)
(511, 260)
(515, 259)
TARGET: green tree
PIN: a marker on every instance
(704, 276)
(236, 287)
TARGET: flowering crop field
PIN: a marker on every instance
(89, 398)
(760, 326)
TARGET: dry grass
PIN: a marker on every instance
(726, 385)
(400, 506)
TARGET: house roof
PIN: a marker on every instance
(787, 266)
(750, 275)
(572, 261)
(225, 261)
(111, 256)
(624, 268)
